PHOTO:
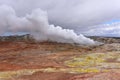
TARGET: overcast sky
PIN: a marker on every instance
(90, 17)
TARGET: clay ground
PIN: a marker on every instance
(55, 61)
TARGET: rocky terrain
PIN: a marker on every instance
(23, 58)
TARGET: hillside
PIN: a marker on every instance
(23, 58)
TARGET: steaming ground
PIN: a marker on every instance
(38, 26)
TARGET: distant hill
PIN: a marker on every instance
(28, 37)
(105, 39)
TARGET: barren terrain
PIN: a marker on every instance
(28, 60)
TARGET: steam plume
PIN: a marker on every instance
(38, 26)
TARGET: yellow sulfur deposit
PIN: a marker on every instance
(95, 62)
(10, 74)
(88, 70)
(84, 62)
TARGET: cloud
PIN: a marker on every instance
(79, 15)
(111, 30)
(68, 13)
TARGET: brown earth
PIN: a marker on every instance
(21, 55)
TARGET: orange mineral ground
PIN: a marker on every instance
(26, 60)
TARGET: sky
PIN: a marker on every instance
(87, 17)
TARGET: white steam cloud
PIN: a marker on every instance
(37, 25)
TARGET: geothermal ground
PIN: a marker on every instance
(22, 59)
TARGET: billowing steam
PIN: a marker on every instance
(38, 26)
